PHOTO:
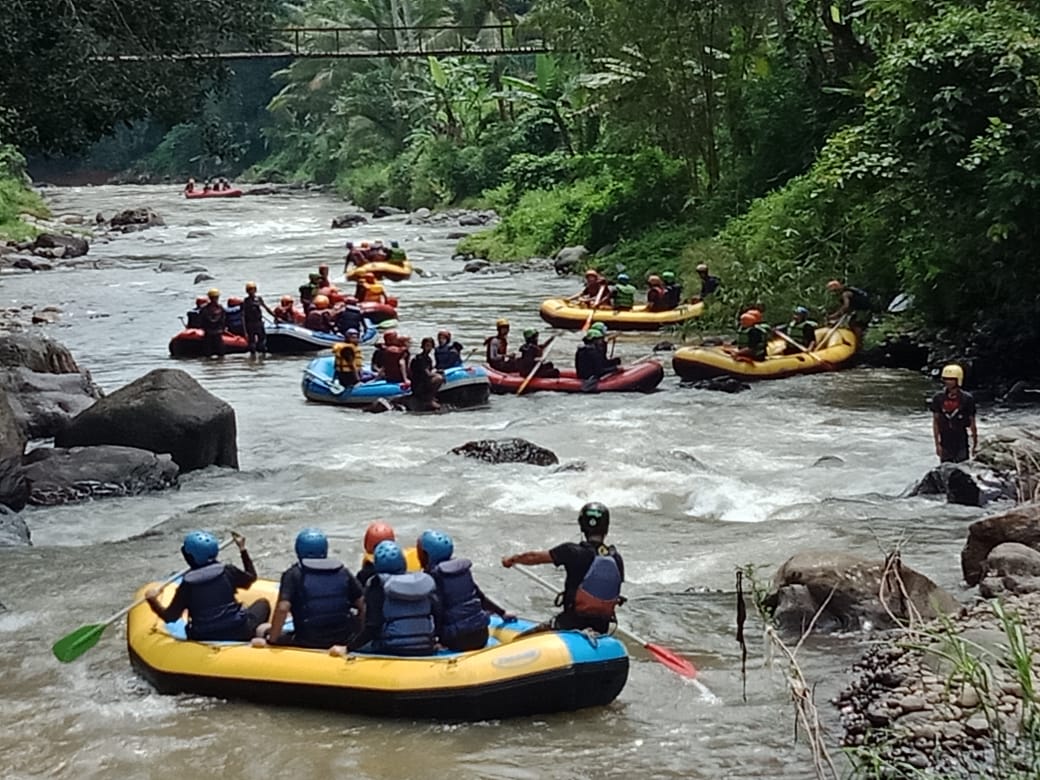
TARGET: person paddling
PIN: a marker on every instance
(594, 574)
(207, 593)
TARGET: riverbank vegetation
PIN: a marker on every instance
(15, 196)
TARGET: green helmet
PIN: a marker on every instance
(668, 276)
(602, 328)
(593, 334)
(530, 333)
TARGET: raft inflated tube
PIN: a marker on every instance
(382, 270)
(560, 313)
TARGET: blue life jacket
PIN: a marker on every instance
(194, 321)
(407, 614)
(446, 356)
(461, 611)
(323, 611)
(213, 612)
(672, 295)
(597, 594)
(233, 321)
(350, 317)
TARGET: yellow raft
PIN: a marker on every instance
(395, 272)
(693, 363)
(564, 314)
(554, 671)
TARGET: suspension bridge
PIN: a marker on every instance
(291, 43)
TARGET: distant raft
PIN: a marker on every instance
(637, 378)
(552, 671)
(197, 194)
(395, 272)
(560, 313)
(464, 387)
(692, 363)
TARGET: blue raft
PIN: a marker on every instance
(465, 387)
(285, 338)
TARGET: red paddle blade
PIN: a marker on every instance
(672, 660)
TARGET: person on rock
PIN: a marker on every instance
(253, 308)
(709, 283)
(399, 608)
(752, 337)
(320, 318)
(497, 348)
(853, 303)
(623, 296)
(590, 359)
(395, 359)
(672, 291)
(212, 320)
(447, 354)
(463, 609)
(207, 593)
(654, 293)
(349, 362)
(801, 330)
(594, 574)
(953, 416)
(596, 290)
(531, 352)
(350, 317)
(193, 319)
(424, 379)
(285, 310)
(379, 531)
(326, 601)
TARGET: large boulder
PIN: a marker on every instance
(129, 220)
(13, 530)
(63, 476)
(349, 220)
(12, 437)
(14, 491)
(1013, 451)
(1010, 568)
(569, 258)
(1021, 526)
(858, 593)
(507, 451)
(72, 246)
(163, 411)
(969, 484)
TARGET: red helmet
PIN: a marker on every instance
(234, 301)
(747, 319)
(286, 300)
(445, 333)
(378, 532)
(321, 302)
(390, 337)
(202, 300)
(350, 299)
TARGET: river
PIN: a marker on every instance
(698, 484)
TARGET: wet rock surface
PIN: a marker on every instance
(13, 530)
(1020, 526)
(507, 451)
(61, 476)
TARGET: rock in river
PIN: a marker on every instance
(507, 451)
(163, 411)
(62, 476)
(1021, 525)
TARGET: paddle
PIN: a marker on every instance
(530, 376)
(73, 645)
(662, 655)
(826, 339)
(803, 348)
(592, 313)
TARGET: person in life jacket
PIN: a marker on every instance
(462, 612)
(497, 348)
(379, 253)
(672, 291)
(800, 329)
(595, 572)
(395, 359)
(590, 359)
(531, 352)
(369, 290)
(349, 362)
(350, 317)
(193, 319)
(284, 311)
(325, 600)
(953, 416)
(709, 283)
(447, 354)
(354, 257)
(253, 308)
(213, 319)
(207, 593)
(623, 296)
(424, 379)
(234, 321)
(323, 277)
(752, 336)
(397, 255)
(654, 293)
(319, 318)
(596, 290)
(190, 186)
(399, 607)
(377, 532)
(853, 302)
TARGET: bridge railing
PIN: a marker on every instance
(417, 41)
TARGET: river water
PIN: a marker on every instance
(698, 483)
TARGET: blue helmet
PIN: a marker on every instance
(311, 543)
(200, 548)
(801, 310)
(623, 278)
(389, 559)
(437, 546)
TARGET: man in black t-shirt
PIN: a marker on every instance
(425, 381)
(953, 415)
(577, 559)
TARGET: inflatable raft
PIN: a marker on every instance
(693, 363)
(562, 314)
(639, 377)
(282, 338)
(395, 272)
(189, 343)
(197, 194)
(557, 671)
(378, 312)
(464, 387)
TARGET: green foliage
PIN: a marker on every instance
(15, 197)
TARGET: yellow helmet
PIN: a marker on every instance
(501, 322)
(953, 371)
(214, 293)
(250, 286)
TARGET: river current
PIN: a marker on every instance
(698, 483)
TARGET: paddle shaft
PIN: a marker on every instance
(595, 303)
(801, 347)
(823, 343)
(530, 376)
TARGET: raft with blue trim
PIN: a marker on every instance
(283, 337)
(560, 313)
(554, 671)
(464, 387)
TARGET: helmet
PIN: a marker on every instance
(352, 332)
(756, 314)
(653, 280)
(234, 301)
(390, 337)
(702, 268)
(370, 277)
(395, 244)
(311, 543)
(350, 300)
(200, 548)
(364, 245)
(250, 286)
(314, 277)
(321, 302)
(953, 371)
(592, 272)
(350, 245)
(668, 276)
(322, 267)
(213, 294)
(834, 285)
(747, 319)
(445, 333)
(801, 310)
(202, 300)
(600, 326)
(594, 518)
(593, 334)
(286, 300)
(501, 322)
(623, 277)
(530, 333)
(388, 558)
(436, 545)
(378, 532)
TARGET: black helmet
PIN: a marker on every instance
(594, 518)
